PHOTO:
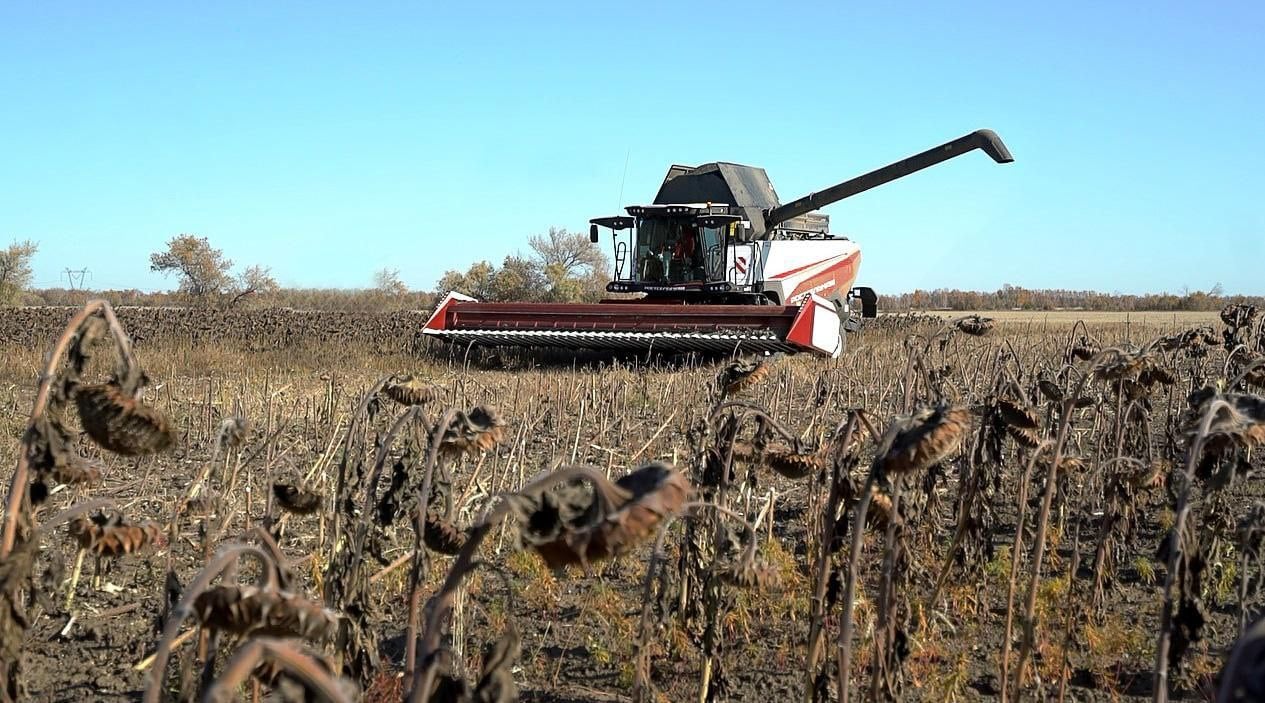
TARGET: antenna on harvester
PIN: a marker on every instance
(74, 277)
(623, 178)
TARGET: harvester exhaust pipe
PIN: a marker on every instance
(984, 139)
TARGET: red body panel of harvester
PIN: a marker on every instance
(812, 326)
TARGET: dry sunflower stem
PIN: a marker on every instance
(277, 658)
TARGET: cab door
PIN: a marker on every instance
(741, 264)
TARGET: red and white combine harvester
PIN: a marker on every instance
(715, 264)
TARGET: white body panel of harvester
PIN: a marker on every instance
(789, 270)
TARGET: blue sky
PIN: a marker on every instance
(328, 141)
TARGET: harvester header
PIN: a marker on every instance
(720, 265)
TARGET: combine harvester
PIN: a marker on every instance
(716, 264)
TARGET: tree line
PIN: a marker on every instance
(559, 266)
(1010, 297)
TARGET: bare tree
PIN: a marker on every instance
(253, 281)
(388, 281)
(572, 251)
(15, 271)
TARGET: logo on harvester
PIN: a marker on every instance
(740, 263)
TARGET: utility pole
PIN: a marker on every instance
(74, 277)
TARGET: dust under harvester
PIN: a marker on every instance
(715, 264)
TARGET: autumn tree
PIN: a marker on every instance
(562, 266)
(476, 281)
(15, 271)
(206, 275)
(518, 278)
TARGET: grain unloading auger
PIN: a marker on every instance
(716, 264)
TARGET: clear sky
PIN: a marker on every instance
(330, 140)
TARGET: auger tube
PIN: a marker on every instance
(984, 139)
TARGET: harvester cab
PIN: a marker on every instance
(716, 263)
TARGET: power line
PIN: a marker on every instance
(74, 277)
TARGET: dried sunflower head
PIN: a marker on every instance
(1148, 477)
(793, 464)
(975, 325)
(1242, 423)
(1238, 314)
(120, 423)
(1025, 436)
(745, 451)
(1189, 339)
(741, 374)
(233, 431)
(1016, 413)
(441, 536)
(916, 442)
(251, 610)
(112, 536)
(1252, 369)
(75, 470)
(477, 431)
(1154, 374)
(880, 512)
(407, 389)
(646, 496)
(296, 498)
(1251, 530)
(753, 574)
(860, 435)
(1120, 364)
(1085, 349)
(1050, 390)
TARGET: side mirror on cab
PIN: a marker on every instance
(593, 233)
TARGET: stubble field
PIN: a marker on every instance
(627, 531)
